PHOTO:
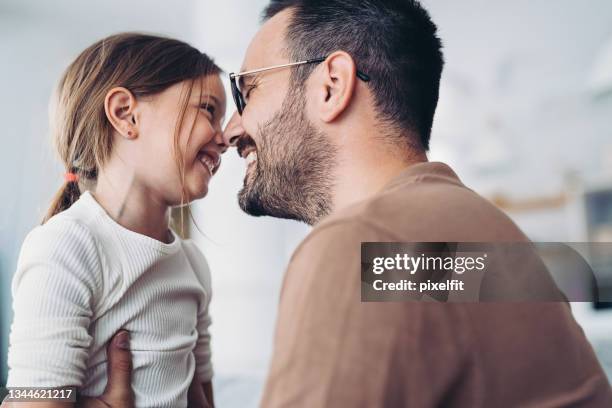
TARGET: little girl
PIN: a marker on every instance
(137, 125)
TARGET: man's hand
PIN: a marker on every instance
(200, 394)
(118, 391)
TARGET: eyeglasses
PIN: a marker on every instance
(237, 93)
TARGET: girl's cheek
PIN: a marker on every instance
(207, 130)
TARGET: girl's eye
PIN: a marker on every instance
(208, 108)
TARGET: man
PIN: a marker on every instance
(336, 135)
(339, 141)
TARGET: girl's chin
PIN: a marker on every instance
(195, 192)
(197, 184)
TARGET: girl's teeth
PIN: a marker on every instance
(207, 161)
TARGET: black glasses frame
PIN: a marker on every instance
(237, 93)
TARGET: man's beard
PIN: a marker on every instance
(292, 177)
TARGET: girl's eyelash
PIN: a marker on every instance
(208, 107)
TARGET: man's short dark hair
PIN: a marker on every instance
(393, 41)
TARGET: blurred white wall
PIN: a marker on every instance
(516, 110)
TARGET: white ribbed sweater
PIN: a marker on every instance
(81, 277)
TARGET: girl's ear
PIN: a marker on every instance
(119, 105)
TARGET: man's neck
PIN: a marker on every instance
(361, 176)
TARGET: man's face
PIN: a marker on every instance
(290, 161)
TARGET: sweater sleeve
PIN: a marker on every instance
(202, 351)
(54, 291)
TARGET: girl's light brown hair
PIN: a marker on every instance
(145, 65)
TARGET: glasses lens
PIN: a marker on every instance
(236, 94)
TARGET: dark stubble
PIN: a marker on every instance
(293, 176)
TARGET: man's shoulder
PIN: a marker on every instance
(342, 232)
(426, 203)
(426, 207)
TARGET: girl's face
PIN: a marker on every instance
(200, 141)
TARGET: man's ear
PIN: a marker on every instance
(338, 85)
(119, 105)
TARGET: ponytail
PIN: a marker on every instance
(65, 197)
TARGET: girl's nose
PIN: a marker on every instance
(220, 141)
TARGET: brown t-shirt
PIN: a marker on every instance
(332, 350)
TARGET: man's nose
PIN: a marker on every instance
(233, 130)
